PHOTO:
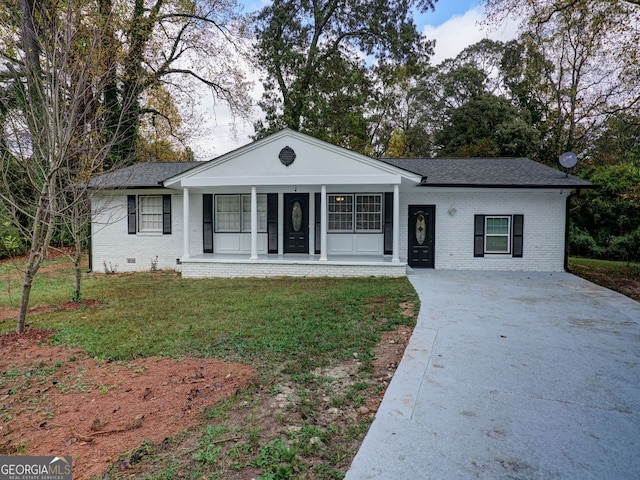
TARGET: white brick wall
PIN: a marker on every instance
(112, 246)
(544, 226)
(544, 223)
(289, 269)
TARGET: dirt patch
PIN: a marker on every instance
(7, 313)
(626, 282)
(56, 400)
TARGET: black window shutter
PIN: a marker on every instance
(478, 237)
(166, 214)
(388, 223)
(272, 222)
(518, 231)
(317, 210)
(131, 214)
(207, 223)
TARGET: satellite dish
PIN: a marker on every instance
(568, 160)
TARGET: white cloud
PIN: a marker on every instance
(460, 31)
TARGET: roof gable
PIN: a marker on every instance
(313, 162)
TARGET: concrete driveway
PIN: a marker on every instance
(511, 376)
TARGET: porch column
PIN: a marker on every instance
(185, 223)
(254, 223)
(280, 223)
(395, 257)
(323, 224)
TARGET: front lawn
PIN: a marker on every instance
(316, 344)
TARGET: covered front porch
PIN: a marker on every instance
(291, 205)
(292, 265)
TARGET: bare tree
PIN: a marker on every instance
(52, 141)
(581, 58)
(72, 92)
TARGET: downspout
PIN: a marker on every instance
(566, 228)
(90, 248)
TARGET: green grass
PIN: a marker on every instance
(623, 277)
(249, 320)
(608, 264)
(49, 287)
(284, 327)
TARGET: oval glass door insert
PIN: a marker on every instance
(421, 229)
(296, 216)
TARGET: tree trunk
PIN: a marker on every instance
(24, 300)
(77, 293)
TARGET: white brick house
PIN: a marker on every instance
(290, 204)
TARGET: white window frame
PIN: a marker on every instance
(342, 214)
(356, 215)
(244, 214)
(150, 217)
(496, 235)
(363, 216)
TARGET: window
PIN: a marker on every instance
(233, 213)
(340, 209)
(368, 213)
(149, 214)
(354, 213)
(498, 234)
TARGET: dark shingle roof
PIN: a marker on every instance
(486, 172)
(142, 175)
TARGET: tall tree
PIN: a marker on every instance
(318, 56)
(72, 93)
(582, 58)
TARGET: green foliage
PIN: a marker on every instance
(487, 126)
(607, 219)
(316, 80)
(11, 243)
(462, 108)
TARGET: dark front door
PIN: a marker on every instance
(296, 223)
(422, 234)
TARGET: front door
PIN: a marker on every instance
(296, 223)
(422, 234)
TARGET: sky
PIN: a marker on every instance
(454, 24)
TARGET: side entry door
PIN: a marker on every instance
(422, 235)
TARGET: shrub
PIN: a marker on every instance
(624, 247)
(11, 243)
(581, 244)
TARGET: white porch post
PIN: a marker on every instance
(185, 223)
(280, 223)
(323, 224)
(312, 224)
(395, 257)
(254, 223)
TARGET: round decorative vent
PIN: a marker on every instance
(287, 156)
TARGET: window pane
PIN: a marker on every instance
(497, 244)
(227, 213)
(368, 212)
(340, 213)
(150, 213)
(246, 213)
(497, 225)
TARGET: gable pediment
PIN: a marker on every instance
(287, 158)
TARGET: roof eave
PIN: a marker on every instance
(512, 186)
